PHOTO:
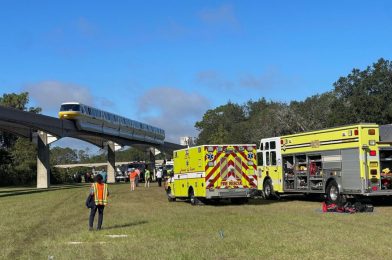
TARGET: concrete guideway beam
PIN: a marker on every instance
(111, 162)
(43, 167)
(25, 124)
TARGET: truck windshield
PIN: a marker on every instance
(70, 107)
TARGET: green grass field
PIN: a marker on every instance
(53, 224)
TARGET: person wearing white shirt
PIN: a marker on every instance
(159, 177)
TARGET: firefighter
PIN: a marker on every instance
(99, 191)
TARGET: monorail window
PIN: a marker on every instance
(94, 112)
(261, 146)
(266, 146)
(272, 145)
(70, 107)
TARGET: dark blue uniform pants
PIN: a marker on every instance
(100, 209)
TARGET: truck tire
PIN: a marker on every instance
(333, 194)
(170, 196)
(193, 200)
(268, 189)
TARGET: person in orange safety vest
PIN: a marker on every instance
(99, 192)
(132, 178)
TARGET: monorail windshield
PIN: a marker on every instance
(70, 107)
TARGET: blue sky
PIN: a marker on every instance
(167, 62)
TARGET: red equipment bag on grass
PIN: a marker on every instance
(329, 207)
(347, 208)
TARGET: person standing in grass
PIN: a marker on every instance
(132, 178)
(137, 179)
(99, 192)
(104, 175)
(159, 177)
(147, 178)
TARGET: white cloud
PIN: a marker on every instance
(212, 78)
(50, 94)
(85, 27)
(222, 15)
(174, 110)
(268, 79)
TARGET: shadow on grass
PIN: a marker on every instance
(128, 224)
(375, 201)
(385, 201)
(16, 192)
(228, 202)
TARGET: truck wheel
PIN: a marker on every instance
(170, 196)
(268, 189)
(333, 194)
(194, 201)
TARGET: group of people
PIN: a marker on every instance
(134, 176)
(89, 176)
(99, 193)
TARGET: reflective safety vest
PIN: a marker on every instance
(100, 193)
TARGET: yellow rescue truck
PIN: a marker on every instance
(353, 160)
(214, 172)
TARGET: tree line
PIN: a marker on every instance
(361, 96)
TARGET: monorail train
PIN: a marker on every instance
(95, 120)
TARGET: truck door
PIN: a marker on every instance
(273, 162)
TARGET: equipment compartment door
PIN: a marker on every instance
(351, 172)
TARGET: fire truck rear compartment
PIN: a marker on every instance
(386, 168)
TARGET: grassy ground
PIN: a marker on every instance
(44, 224)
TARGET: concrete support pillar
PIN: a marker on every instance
(152, 159)
(43, 167)
(111, 162)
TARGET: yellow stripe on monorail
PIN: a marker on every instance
(68, 114)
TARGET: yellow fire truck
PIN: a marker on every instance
(214, 172)
(349, 160)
